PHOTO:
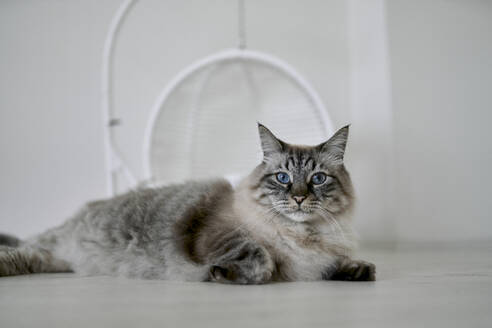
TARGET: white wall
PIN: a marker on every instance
(440, 54)
(51, 154)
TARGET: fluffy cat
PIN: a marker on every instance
(289, 220)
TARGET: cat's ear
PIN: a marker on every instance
(334, 148)
(269, 143)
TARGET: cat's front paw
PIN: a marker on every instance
(355, 270)
(251, 264)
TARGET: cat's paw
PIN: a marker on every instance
(251, 264)
(355, 270)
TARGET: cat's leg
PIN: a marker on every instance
(27, 260)
(348, 269)
(241, 262)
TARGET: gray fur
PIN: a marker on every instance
(206, 231)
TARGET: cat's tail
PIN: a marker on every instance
(16, 258)
(9, 240)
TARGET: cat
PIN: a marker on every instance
(289, 220)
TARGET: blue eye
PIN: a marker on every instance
(318, 178)
(283, 177)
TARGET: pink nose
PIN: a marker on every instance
(299, 199)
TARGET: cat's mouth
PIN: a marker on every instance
(298, 214)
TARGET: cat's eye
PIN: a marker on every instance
(283, 177)
(318, 178)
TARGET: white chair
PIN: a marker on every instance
(203, 124)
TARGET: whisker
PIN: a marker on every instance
(327, 215)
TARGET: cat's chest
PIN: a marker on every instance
(302, 255)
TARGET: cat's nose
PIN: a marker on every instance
(299, 199)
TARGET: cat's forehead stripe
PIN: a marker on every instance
(290, 163)
(299, 158)
(309, 160)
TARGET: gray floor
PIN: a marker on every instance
(417, 287)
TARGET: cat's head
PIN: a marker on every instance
(303, 183)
